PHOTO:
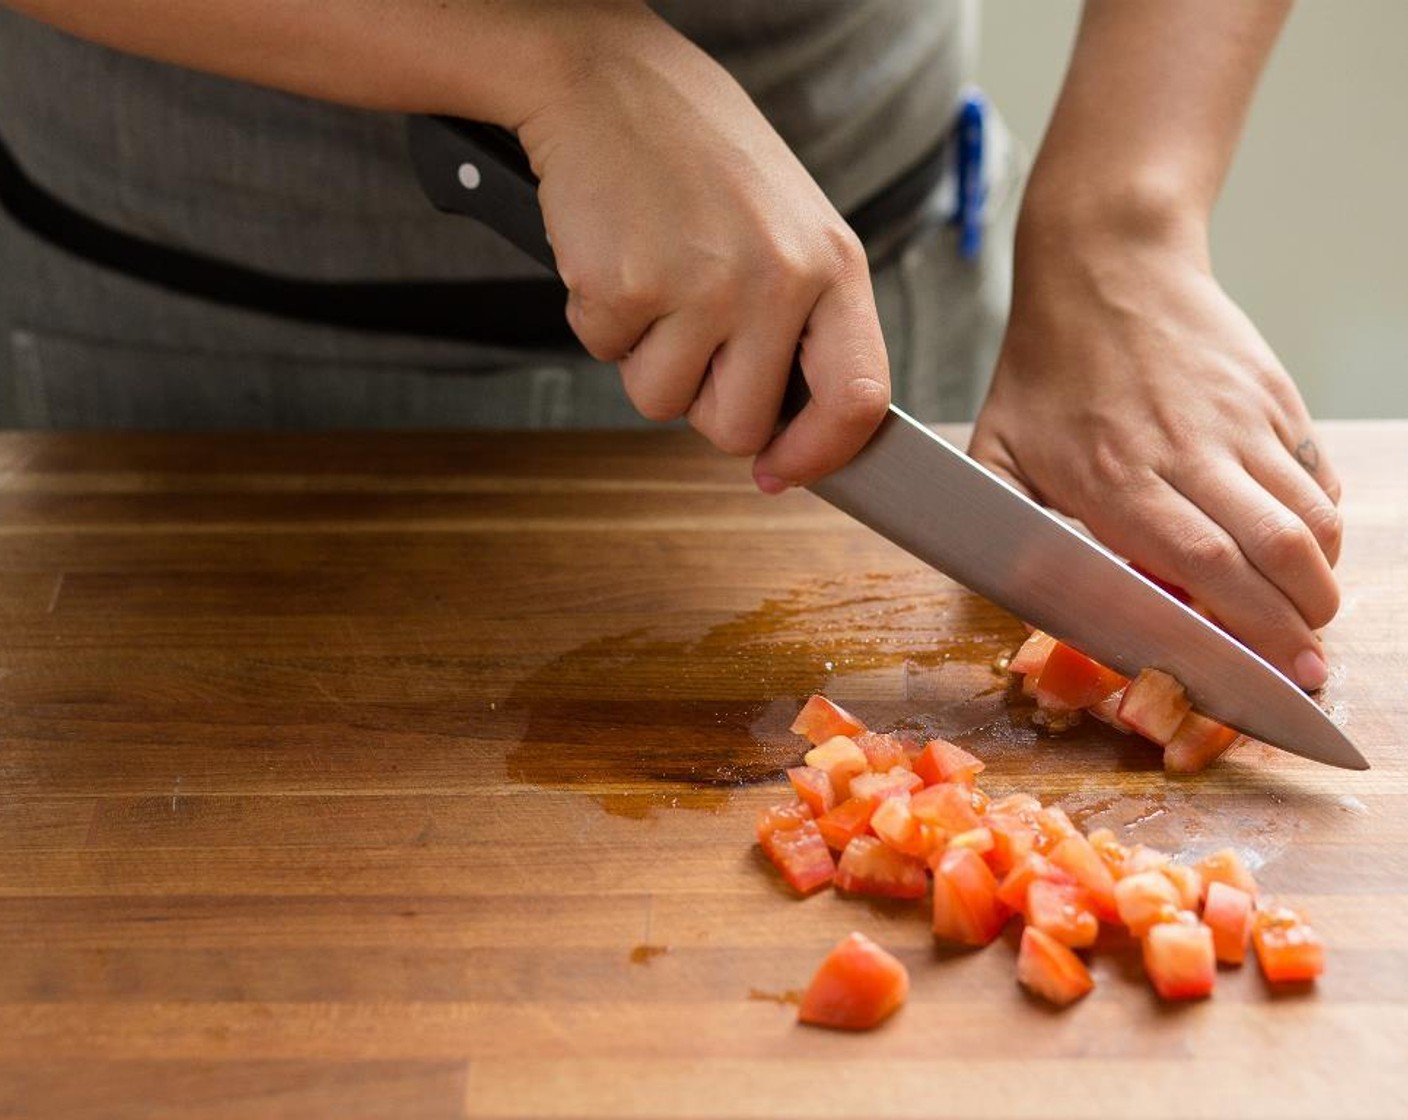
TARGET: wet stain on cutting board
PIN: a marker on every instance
(653, 718)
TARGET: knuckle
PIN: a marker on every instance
(738, 439)
(1281, 543)
(1208, 557)
(658, 401)
(1327, 526)
(847, 250)
(860, 402)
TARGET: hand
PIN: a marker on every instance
(1133, 394)
(700, 255)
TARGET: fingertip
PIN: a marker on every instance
(1310, 670)
(771, 484)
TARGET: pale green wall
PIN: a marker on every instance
(1311, 234)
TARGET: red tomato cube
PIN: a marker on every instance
(841, 759)
(792, 841)
(1179, 958)
(1050, 969)
(1069, 680)
(869, 866)
(884, 752)
(1154, 705)
(893, 822)
(947, 806)
(966, 907)
(1062, 911)
(849, 819)
(1226, 866)
(1287, 948)
(898, 782)
(1146, 899)
(1107, 711)
(1033, 653)
(1229, 913)
(942, 761)
(813, 787)
(1012, 891)
(1075, 854)
(820, 720)
(1189, 882)
(1197, 741)
(857, 987)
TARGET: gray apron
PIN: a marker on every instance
(860, 90)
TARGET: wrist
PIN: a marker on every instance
(569, 49)
(1067, 212)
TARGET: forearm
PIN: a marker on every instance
(1151, 112)
(493, 61)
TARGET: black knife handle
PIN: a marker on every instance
(481, 171)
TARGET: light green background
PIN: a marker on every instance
(1311, 234)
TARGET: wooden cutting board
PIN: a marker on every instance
(415, 776)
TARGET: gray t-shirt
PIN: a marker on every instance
(860, 89)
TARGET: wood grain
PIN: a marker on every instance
(413, 775)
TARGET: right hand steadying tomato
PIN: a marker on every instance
(1131, 392)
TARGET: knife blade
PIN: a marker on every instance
(925, 495)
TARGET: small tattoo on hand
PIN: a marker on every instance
(1308, 455)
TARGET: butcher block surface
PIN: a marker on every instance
(414, 775)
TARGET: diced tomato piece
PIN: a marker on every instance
(849, 819)
(1228, 912)
(1069, 680)
(893, 822)
(1111, 852)
(1050, 969)
(1013, 839)
(966, 907)
(884, 752)
(1197, 741)
(857, 986)
(1179, 958)
(1033, 653)
(898, 782)
(1022, 805)
(841, 759)
(1012, 891)
(1154, 705)
(1144, 858)
(792, 841)
(1287, 948)
(1226, 866)
(978, 839)
(1062, 911)
(1145, 899)
(942, 761)
(1053, 826)
(868, 866)
(947, 806)
(1076, 855)
(813, 786)
(820, 719)
(784, 816)
(1189, 882)
(1108, 711)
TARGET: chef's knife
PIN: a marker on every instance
(931, 499)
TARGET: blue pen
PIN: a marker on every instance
(972, 192)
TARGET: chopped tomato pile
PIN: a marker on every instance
(878, 814)
(1064, 683)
